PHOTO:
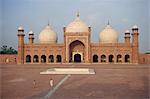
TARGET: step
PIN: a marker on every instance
(68, 71)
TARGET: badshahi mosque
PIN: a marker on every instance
(77, 46)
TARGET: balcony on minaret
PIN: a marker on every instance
(127, 37)
(31, 37)
(20, 31)
(135, 34)
(135, 29)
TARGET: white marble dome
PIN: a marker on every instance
(47, 35)
(108, 35)
(77, 26)
(20, 27)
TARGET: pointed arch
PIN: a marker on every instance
(119, 58)
(35, 58)
(127, 58)
(103, 58)
(76, 46)
(95, 58)
(43, 59)
(58, 57)
(51, 58)
(111, 58)
(77, 58)
(28, 59)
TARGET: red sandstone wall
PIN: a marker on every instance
(44, 49)
(144, 58)
(12, 59)
(8, 58)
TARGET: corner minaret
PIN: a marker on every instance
(20, 45)
(135, 44)
(30, 37)
(127, 37)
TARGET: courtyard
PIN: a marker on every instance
(111, 81)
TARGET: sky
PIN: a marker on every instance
(35, 14)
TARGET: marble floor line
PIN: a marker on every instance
(51, 92)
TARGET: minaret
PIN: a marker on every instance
(20, 45)
(30, 37)
(135, 44)
(127, 37)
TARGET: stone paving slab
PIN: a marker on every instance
(110, 82)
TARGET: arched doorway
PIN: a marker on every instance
(111, 58)
(28, 59)
(77, 58)
(103, 58)
(51, 59)
(119, 58)
(35, 59)
(76, 51)
(95, 58)
(58, 57)
(127, 58)
(7, 60)
(43, 59)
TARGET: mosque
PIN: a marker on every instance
(77, 46)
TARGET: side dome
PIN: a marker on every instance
(77, 26)
(108, 35)
(47, 35)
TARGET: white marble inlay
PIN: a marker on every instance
(68, 71)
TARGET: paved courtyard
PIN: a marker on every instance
(112, 81)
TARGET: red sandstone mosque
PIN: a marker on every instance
(77, 46)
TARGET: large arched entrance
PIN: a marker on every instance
(76, 51)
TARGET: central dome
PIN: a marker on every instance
(77, 26)
(47, 35)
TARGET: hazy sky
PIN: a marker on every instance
(34, 14)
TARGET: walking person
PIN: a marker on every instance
(34, 84)
(51, 82)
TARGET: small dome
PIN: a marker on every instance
(77, 26)
(30, 32)
(135, 27)
(47, 35)
(127, 31)
(108, 35)
(20, 27)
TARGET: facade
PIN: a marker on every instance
(8, 58)
(77, 46)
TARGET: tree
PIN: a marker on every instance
(147, 52)
(5, 50)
